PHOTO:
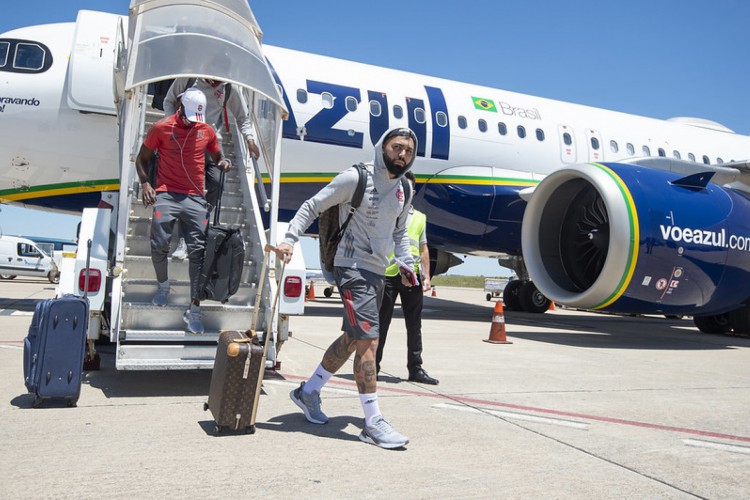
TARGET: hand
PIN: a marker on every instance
(405, 280)
(426, 285)
(284, 251)
(253, 148)
(225, 165)
(148, 194)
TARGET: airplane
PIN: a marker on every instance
(590, 208)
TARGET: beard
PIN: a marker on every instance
(390, 164)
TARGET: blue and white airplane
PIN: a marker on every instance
(591, 208)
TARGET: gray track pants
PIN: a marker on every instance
(192, 212)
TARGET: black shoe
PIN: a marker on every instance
(422, 377)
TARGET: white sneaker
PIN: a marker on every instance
(180, 253)
(382, 434)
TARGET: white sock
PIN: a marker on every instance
(371, 407)
(317, 381)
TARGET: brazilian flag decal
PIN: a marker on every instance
(485, 104)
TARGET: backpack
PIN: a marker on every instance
(330, 231)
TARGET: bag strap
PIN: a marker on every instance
(217, 208)
(359, 193)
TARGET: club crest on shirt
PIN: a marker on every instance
(400, 195)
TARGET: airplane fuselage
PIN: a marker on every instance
(478, 146)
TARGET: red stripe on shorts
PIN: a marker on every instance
(349, 307)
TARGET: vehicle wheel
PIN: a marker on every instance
(715, 323)
(740, 320)
(489, 297)
(328, 291)
(53, 277)
(92, 364)
(511, 298)
(532, 300)
(8, 276)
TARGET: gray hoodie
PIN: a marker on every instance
(378, 223)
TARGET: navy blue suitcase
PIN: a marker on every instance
(54, 349)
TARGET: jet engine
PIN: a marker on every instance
(632, 239)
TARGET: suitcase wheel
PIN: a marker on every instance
(218, 429)
(37, 402)
(250, 430)
(72, 402)
(205, 406)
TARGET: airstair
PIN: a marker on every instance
(150, 337)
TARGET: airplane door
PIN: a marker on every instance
(91, 60)
(568, 153)
(596, 151)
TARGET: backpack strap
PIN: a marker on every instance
(190, 83)
(406, 185)
(224, 116)
(359, 193)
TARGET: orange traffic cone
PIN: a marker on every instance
(497, 330)
(434, 293)
(311, 291)
(552, 305)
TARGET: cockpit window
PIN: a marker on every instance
(28, 56)
(4, 49)
(24, 56)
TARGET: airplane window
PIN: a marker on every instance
(594, 143)
(521, 131)
(502, 128)
(540, 134)
(419, 115)
(28, 56)
(630, 148)
(375, 108)
(327, 99)
(4, 46)
(567, 139)
(461, 121)
(706, 160)
(677, 154)
(398, 112)
(691, 157)
(662, 152)
(301, 96)
(441, 119)
(614, 146)
(351, 104)
(646, 151)
(482, 125)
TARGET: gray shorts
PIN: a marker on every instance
(362, 293)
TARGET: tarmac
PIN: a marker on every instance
(580, 405)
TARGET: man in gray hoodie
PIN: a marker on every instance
(359, 270)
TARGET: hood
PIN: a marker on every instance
(379, 162)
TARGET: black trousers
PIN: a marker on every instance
(411, 305)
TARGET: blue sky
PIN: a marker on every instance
(657, 58)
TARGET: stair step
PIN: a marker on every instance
(215, 317)
(142, 291)
(139, 267)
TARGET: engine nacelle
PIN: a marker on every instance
(626, 238)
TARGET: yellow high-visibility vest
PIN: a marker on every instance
(414, 228)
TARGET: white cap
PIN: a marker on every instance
(194, 102)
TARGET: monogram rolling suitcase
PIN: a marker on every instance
(238, 372)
